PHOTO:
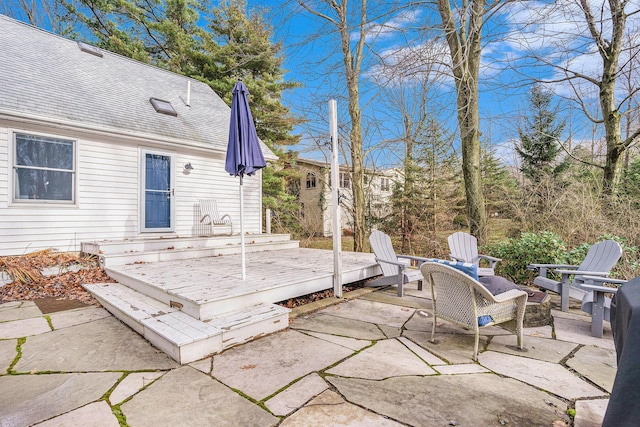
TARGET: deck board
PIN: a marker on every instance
(209, 279)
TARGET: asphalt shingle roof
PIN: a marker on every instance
(44, 75)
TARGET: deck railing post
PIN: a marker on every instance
(267, 219)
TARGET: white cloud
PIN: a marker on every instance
(386, 30)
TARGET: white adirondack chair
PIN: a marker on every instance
(396, 269)
(464, 301)
(464, 247)
(599, 261)
(209, 215)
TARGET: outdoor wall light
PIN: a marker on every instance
(188, 167)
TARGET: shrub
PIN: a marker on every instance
(517, 253)
(549, 248)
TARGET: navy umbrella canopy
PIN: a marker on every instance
(244, 155)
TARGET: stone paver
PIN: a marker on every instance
(467, 368)
(187, 397)
(390, 331)
(204, 365)
(409, 300)
(452, 348)
(423, 321)
(577, 329)
(101, 345)
(8, 353)
(334, 325)
(329, 409)
(539, 332)
(64, 319)
(597, 364)
(262, 367)
(371, 312)
(383, 360)
(466, 400)
(375, 351)
(590, 413)
(350, 343)
(297, 395)
(24, 328)
(423, 354)
(132, 384)
(545, 375)
(536, 348)
(18, 310)
(95, 414)
(36, 398)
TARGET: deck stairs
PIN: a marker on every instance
(129, 251)
(185, 295)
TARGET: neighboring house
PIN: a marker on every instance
(94, 146)
(316, 200)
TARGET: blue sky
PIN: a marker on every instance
(310, 57)
(503, 88)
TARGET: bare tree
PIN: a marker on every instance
(590, 52)
(462, 23)
(338, 15)
(409, 78)
(39, 13)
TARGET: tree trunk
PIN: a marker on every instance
(352, 62)
(468, 118)
(609, 50)
(463, 38)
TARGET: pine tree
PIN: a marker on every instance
(499, 185)
(538, 146)
(233, 44)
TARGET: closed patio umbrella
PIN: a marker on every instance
(244, 156)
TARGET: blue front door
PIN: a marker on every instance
(158, 191)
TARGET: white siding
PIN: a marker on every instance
(108, 197)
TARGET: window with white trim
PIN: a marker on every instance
(384, 184)
(345, 180)
(311, 180)
(44, 168)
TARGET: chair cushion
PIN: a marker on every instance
(497, 284)
(466, 267)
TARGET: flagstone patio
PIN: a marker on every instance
(366, 361)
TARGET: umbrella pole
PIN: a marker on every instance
(244, 274)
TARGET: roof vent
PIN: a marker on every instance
(90, 49)
(163, 107)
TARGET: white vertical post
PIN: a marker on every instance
(242, 252)
(335, 202)
(267, 218)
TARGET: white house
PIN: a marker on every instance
(315, 197)
(95, 146)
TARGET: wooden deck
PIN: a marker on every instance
(190, 305)
(207, 287)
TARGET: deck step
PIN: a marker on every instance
(134, 245)
(241, 326)
(175, 254)
(184, 338)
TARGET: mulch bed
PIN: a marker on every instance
(30, 285)
(306, 299)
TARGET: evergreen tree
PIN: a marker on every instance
(538, 146)
(232, 44)
(499, 185)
